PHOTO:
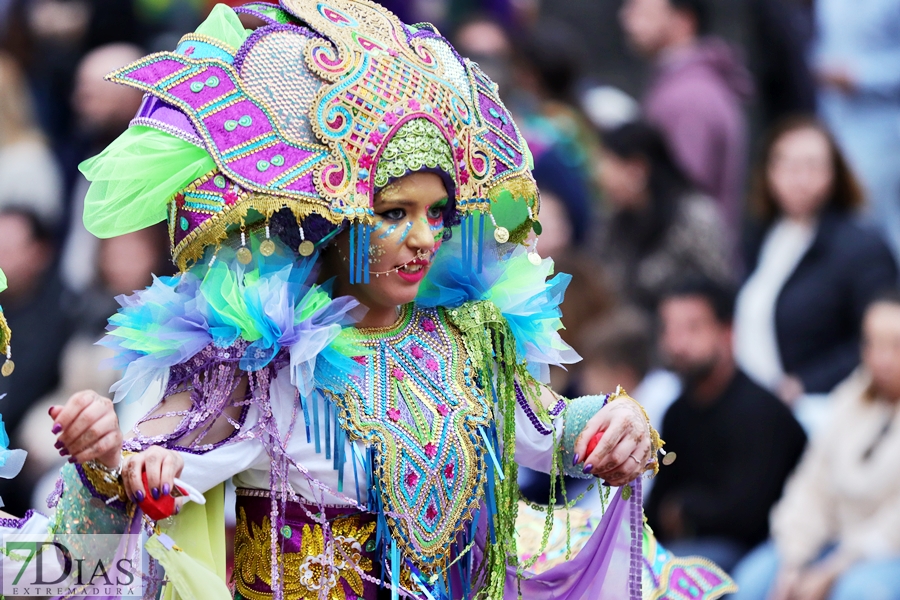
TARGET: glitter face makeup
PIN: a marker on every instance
(406, 234)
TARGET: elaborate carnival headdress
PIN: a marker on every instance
(313, 112)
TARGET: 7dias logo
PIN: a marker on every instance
(71, 565)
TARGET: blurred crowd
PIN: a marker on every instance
(733, 231)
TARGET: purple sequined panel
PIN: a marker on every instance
(501, 136)
(506, 152)
(497, 116)
(165, 117)
(199, 203)
(238, 130)
(260, 10)
(302, 545)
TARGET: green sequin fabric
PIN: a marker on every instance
(79, 512)
(417, 145)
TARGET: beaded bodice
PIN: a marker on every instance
(417, 403)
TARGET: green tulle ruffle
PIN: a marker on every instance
(134, 178)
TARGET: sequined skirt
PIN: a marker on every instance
(303, 551)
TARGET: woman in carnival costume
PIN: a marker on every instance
(11, 461)
(359, 333)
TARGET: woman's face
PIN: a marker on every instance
(624, 181)
(127, 261)
(800, 172)
(881, 348)
(409, 225)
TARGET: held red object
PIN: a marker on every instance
(593, 443)
(162, 508)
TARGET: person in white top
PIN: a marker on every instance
(836, 531)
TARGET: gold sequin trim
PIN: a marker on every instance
(253, 560)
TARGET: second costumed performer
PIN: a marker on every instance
(360, 331)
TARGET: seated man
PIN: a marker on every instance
(836, 532)
(736, 442)
(618, 350)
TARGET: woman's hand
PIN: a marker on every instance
(624, 450)
(811, 583)
(88, 429)
(785, 584)
(162, 467)
(815, 583)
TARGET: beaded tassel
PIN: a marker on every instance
(354, 450)
(637, 540)
(340, 455)
(358, 258)
(304, 403)
(367, 231)
(395, 570)
(352, 254)
(315, 411)
(466, 229)
(463, 222)
(480, 242)
(326, 422)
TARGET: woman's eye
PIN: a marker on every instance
(435, 212)
(395, 214)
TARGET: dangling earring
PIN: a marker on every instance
(306, 247)
(267, 247)
(9, 366)
(244, 255)
(536, 226)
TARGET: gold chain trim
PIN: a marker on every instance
(106, 482)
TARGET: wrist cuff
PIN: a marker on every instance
(578, 412)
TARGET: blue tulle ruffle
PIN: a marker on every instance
(271, 303)
(522, 292)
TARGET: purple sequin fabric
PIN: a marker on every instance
(304, 547)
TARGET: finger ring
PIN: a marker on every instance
(635, 460)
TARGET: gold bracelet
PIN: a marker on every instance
(656, 442)
(106, 482)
